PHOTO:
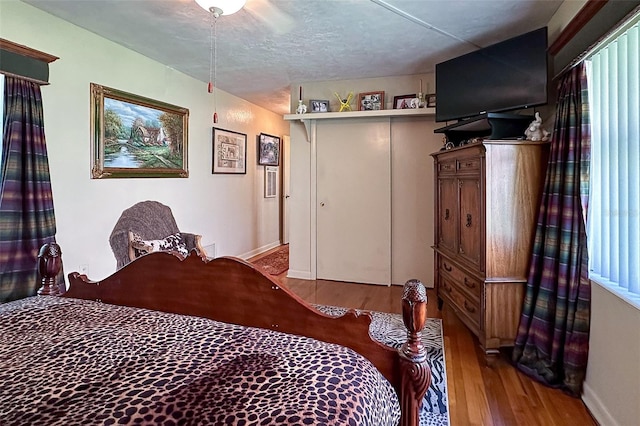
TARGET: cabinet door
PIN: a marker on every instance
(447, 213)
(470, 220)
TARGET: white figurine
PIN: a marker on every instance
(535, 132)
(302, 108)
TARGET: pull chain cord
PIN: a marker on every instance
(213, 62)
(215, 67)
(210, 85)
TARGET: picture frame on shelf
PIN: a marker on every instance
(133, 136)
(371, 101)
(270, 182)
(229, 152)
(430, 100)
(319, 105)
(268, 150)
(405, 102)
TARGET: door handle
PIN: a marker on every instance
(286, 196)
(322, 204)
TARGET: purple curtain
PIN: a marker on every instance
(27, 218)
(552, 344)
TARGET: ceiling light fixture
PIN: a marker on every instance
(221, 7)
(217, 8)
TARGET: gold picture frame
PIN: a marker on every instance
(133, 136)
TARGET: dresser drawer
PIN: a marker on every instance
(471, 164)
(468, 284)
(461, 302)
(447, 167)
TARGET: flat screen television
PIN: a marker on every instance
(506, 76)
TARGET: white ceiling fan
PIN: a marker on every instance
(263, 10)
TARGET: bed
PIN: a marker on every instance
(173, 340)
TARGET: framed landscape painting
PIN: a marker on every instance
(134, 136)
(229, 152)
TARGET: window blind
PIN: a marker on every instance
(613, 228)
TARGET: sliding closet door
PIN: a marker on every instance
(354, 200)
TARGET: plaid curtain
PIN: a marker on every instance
(26, 204)
(552, 344)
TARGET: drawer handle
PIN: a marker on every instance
(447, 268)
(468, 307)
(446, 214)
(468, 225)
(468, 164)
(468, 283)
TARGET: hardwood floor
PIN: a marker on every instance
(478, 394)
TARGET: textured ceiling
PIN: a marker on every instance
(271, 44)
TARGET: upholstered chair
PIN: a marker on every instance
(144, 222)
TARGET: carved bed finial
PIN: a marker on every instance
(416, 375)
(49, 264)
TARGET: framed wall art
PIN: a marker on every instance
(133, 136)
(229, 152)
(405, 102)
(371, 101)
(430, 100)
(268, 150)
(318, 105)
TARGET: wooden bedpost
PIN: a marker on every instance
(414, 369)
(49, 264)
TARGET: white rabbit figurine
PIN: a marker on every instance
(535, 132)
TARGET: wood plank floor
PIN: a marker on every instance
(478, 394)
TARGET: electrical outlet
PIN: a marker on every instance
(83, 269)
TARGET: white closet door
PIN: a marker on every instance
(354, 201)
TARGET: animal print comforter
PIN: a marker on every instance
(70, 362)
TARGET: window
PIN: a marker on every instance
(613, 224)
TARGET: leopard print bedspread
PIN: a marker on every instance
(76, 362)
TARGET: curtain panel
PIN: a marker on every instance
(552, 343)
(27, 218)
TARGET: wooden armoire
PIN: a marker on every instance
(486, 203)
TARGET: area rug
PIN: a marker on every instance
(389, 330)
(274, 263)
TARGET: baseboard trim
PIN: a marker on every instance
(595, 406)
(302, 275)
(260, 250)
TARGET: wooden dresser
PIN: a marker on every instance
(486, 204)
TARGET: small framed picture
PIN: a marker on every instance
(430, 99)
(318, 105)
(405, 102)
(268, 150)
(229, 152)
(371, 101)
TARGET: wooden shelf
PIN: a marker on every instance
(308, 117)
(356, 114)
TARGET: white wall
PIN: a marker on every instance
(612, 386)
(563, 16)
(226, 209)
(392, 86)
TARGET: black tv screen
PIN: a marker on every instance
(505, 76)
